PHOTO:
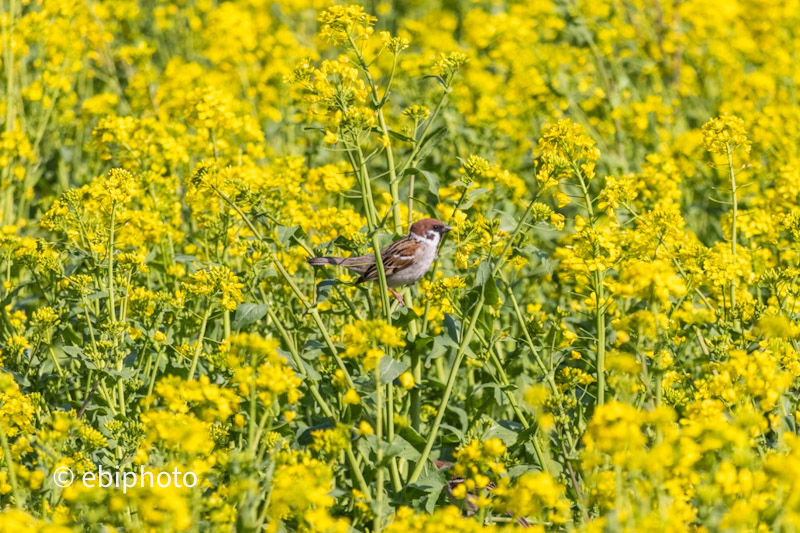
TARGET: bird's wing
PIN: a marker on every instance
(396, 257)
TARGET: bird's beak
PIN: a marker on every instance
(446, 229)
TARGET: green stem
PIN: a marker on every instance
(55, 361)
(199, 348)
(259, 432)
(451, 379)
(251, 423)
(600, 317)
(601, 339)
(412, 158)
(107, 397)
(411, 181)
(354, 467)
(503, 378)
(326, 409)
(295, 289)
(377, 525)
(112, 309)
(735, 202)
(298, 361)
(529, 341)
(396, 484)
(155, 372)
(393, 181)
(12, 476)
(416, 404)
(366, 190)
(111, 306)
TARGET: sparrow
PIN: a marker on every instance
(404, 261)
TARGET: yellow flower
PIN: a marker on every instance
(364, 428)
(330, 137)
(351, 397)
(565, 148)
(494, 447)
(724, 134)
(364, 339)
(340, 23)
(406, 380)
(217, 281)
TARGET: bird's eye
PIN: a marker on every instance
(437, 228)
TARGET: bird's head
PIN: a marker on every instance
(430, 229)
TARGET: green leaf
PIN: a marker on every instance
(452, 327)
(431, 179)
(247, 314)
(486, 282)
(407, 316)
(490, 292)
(324, 289)
(184, 258)
(430, 142)
(73, 351)
(505, 430)
(124, 374)
(400, 447)
(471, 196)
(399, 136)
(483, 274)
(413, 437)
(285, 233)
(439, 79)
(312, 350)
(430, 483)
(97, 295)
(454, 436)
(389, 369)
(441, 344)
(517, 470)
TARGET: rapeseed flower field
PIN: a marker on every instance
(608, 340)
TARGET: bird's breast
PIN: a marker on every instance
(414, 272)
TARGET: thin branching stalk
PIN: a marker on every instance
(379, 476)
(451, 379)
(111, 305)
(735, 204)
(412, 158)
(503, 379)
(12, 476)
(10, 100)
(372, 221)
(465, 341)
(529, 340)
(112, 315)
(396, 483)
(378, 103)
(600, 315)
(292, 285)
(199, 348)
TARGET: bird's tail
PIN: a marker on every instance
(317, 261)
